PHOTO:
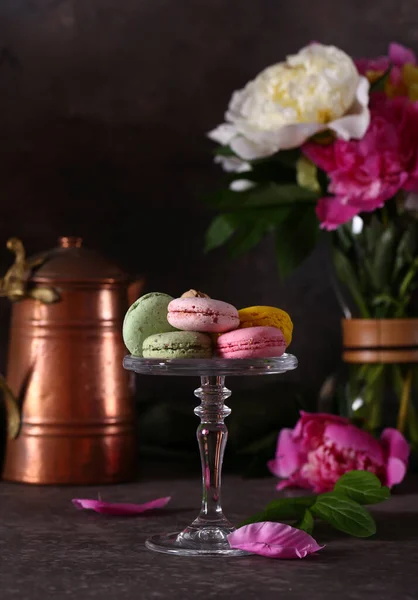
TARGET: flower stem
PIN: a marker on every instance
(405, 399)
(385, 216)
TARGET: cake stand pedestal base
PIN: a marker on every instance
(208, 534)
(208, 541)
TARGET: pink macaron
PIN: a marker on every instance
(202, 314)
(251, 342)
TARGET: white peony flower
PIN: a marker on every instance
(317, 89)
(232, 164)
(241, 185)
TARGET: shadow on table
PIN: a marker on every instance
(397, 526)
(391, 527)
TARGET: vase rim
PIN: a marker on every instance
(380, 340)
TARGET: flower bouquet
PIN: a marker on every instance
(323, 142)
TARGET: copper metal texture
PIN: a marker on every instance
(65, 366)
(380, 340)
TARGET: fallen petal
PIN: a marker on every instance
(119, 508)
(274, 540)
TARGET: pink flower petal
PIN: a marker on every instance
(395, 444)
(285, 483)
(287, 459)
(395, 471)
(322, 418)
(381, 63)
(274, 540)
(349, 436)
(400, 55)
(321, 155)
(119, 508)
(295, 481)
(332, 212)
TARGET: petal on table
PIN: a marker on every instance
(274, 540)
(119, 508)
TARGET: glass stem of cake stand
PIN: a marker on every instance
(212, 435)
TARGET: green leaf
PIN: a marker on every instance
(379, 84)
(225, 200)
(347, 275)
(259, 445)
(372, 231)
(383, 260)
(262, 196)
(307, 523)
(344, 514)
(362, 487)
(307, 175)
(407, 281)
(224, 151)
(290, 193)
(247, 237)
(405, 252)
(268, 171)
(288, 158)
(344, 237)
(385, 299)
(295, 239)
(220, 231)
(285, 509)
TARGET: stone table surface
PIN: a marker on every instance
(50, 550)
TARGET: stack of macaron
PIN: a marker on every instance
(196, 326)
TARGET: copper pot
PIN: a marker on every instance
(65, 366)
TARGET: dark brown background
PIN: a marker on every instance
(104, 105)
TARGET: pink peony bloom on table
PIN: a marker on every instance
(322, 447)
(365, 173)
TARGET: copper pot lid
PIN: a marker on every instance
(71, 261)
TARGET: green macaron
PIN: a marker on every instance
(146, 316)
(178, 344)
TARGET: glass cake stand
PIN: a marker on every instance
(207, 535)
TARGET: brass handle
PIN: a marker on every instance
(14, 284)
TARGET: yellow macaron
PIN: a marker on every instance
(267, 316)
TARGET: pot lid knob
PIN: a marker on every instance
(70, 242)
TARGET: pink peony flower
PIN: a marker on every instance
(397, 58)
(365, 173)
(323, 447)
